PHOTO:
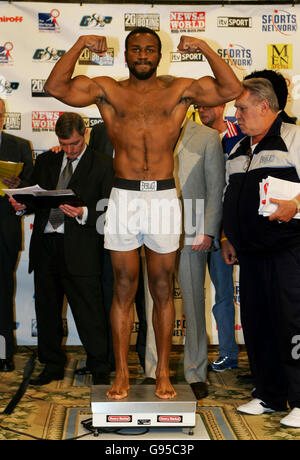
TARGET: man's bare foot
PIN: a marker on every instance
(119, 389)
(164, 389)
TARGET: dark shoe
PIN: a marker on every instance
(83, 371)
(101, 378)
(149, 381)
(223, 363)
(7, 365)
(46, 377)
(199, 389)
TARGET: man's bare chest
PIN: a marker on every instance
(157, 106)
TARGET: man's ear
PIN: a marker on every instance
(265, 106)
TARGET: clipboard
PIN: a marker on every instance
(41, 198)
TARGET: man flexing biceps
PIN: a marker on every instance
(143, 116)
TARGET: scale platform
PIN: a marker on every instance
(143, 409)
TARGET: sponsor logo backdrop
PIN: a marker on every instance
(33, 36)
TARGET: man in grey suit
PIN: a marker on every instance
(200, 161)
(18, 150)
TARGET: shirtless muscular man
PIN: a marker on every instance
(143, 116)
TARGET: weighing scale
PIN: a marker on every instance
(143, 409)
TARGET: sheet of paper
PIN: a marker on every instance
(272, 187)
(23, 191)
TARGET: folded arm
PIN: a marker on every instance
(81, 90)
(209, 91)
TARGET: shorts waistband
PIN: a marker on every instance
(144, 185)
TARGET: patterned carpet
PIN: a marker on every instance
(54, 411)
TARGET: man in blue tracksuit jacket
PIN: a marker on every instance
(268, 250)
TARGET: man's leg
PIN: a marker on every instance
(224, 309)
(192, 270)
(140, 306)
(286, 287)
(84, 294)
(160, 273)
(49, 297)
(126, 273)
(258, 316)
(8, 260)
(107, 282)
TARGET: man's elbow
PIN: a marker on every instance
(53, 89)
(50, 89)
(236, 90)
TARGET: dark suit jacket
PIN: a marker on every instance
(100, 141)
(91, 181)
(15, 149)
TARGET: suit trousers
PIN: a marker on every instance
(192, 270)
(8, 261)
(52, 281)
(270, 315)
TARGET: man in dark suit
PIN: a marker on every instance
(100, 142)
(65, 255)
(17, 150)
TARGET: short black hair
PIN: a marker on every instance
(69, 122)
(278, 82)
(143, 30)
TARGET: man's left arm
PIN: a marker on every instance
(28, 164)
(286, 210)
(25, 157)
(208, 91)
(106, 175)
(214, 172)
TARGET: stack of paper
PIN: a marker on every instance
(44, 198)
(8, 169)
(36, 190)
(280, 189)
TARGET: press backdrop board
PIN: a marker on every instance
(33, 36)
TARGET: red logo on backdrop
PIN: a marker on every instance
(169, 418)
(187, 21)
(11, 19)
(44, 120)
(119, 418)
(5, 53)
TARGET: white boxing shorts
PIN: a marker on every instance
(143, 213)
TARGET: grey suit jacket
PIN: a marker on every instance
(200, 175)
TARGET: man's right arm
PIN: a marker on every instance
(81, 90)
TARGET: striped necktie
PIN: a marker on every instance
(56, 217)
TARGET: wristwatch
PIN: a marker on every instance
(297, 203)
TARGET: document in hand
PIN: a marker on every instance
(8, 169)
(42, 198)
(271, 187)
